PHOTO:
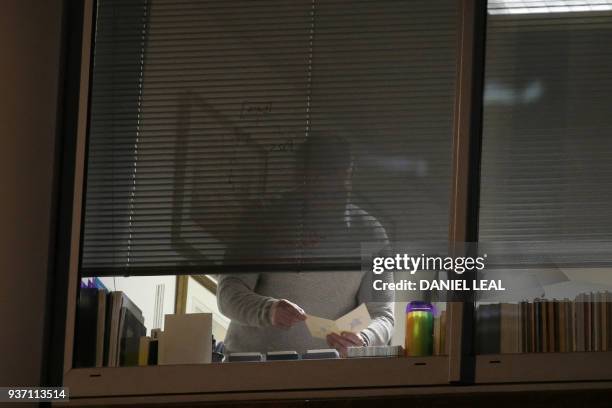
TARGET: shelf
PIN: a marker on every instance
(247, 377)
(543, 367)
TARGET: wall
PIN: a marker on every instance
(29, 74)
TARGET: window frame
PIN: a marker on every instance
(537, 367)
(316, 377)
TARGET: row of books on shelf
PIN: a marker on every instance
(108, 329)
(110, 332)
(582, 324)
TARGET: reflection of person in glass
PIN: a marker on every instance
(316, 222)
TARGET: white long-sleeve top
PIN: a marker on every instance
(246, 298)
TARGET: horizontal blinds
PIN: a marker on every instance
(113, 130)
(546, 169)
(384, 75)
(268, 134)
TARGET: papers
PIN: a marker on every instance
(354, 321)
(320, 327)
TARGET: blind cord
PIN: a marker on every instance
(143, 33)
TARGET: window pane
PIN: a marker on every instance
(546, 175)
(266, 137)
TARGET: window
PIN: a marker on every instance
(546, 175)
(201, 110)
(272, 136)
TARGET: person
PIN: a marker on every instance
(315, 224)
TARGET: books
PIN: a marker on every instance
(546, 325)
(126, 326)
(86, 343)
(100, 327)
(131, 328)
(510, 328)
(439, 334)
(488, 329)
(436, 335)
(108, 329)
(147, 351)
(144, 346)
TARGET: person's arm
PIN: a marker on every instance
(379, 303)
(237, 299)
(380, 306)
(380, 329)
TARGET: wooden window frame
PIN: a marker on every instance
(321, 378)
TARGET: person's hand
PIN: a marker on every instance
(285, 314)
(344, 340)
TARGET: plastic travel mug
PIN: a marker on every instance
(419, 329)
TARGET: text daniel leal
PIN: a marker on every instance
(423, 284)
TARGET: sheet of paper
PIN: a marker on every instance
(320, 327)
(354, 321)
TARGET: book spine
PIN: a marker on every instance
(560, 328)
(596, 322)
(516, 328)
(603, 313)
(571, 306)
(550, 310)
(101, 327)
(609, 321)
(580, 328)
(539, 327)
(436, 336)
(532, 327)
(443, 328)
(522, 327)
(143, 350)
(589, 322)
